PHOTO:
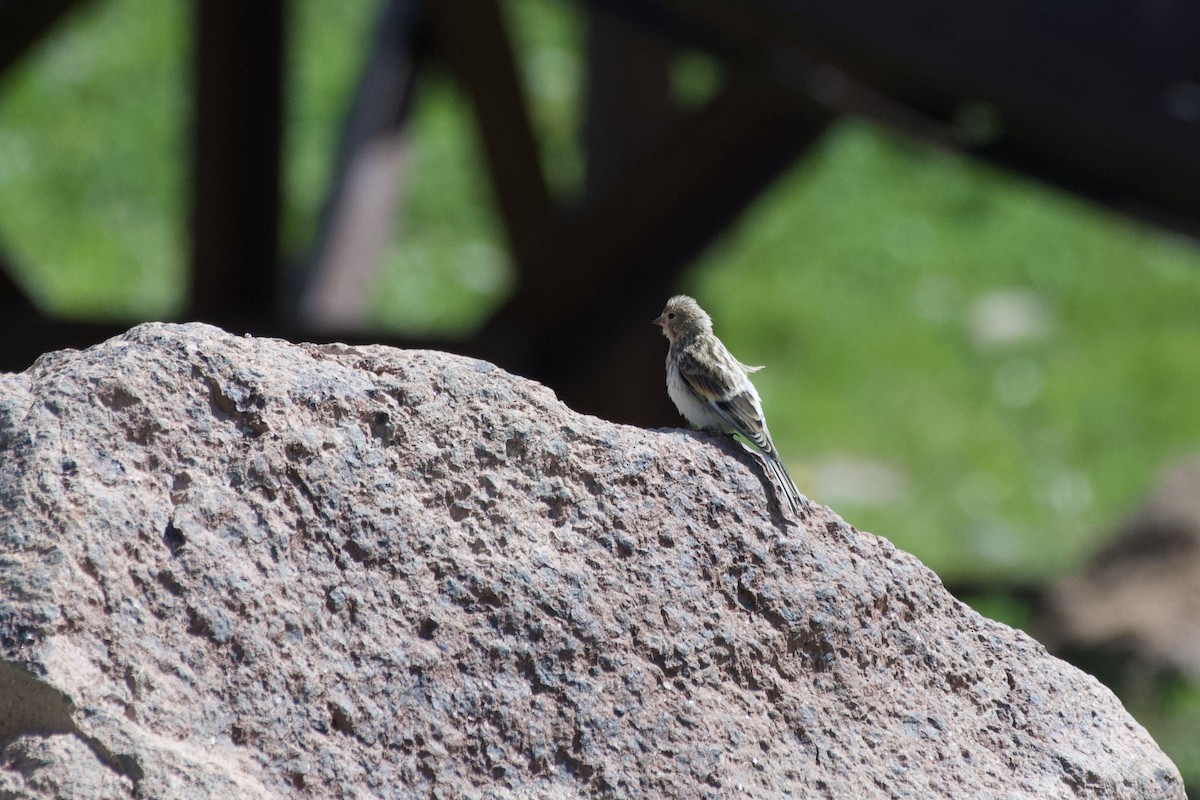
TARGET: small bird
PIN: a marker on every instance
(712, 389)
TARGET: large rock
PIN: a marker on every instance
(238, 567)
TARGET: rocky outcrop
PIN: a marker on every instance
(237, 567)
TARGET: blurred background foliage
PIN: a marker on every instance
(987, 372)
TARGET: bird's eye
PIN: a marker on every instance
(670, 316)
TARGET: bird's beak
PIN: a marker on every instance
(660, 320)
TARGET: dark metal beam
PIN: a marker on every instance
(472, 36)
(1104, 102)
(27, 335)
(698, 180)
(23, 22)
(333, 284)
(13, 299)
(236, 159)
(630, 108)
(617, 263)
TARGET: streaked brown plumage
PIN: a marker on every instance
(712, 389)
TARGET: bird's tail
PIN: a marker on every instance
(795, 500)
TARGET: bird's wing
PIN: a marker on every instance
(712, 380)
(714, 376)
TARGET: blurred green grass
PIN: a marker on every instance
(986, 371)
(92, 165)
(861, 281)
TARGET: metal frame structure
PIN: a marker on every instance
(1104, 102)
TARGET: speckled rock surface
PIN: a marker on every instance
(235, 567)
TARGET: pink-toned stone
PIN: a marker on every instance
(236, 567)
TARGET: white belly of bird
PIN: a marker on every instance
(695, 410)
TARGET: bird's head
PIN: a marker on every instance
(683, 316)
